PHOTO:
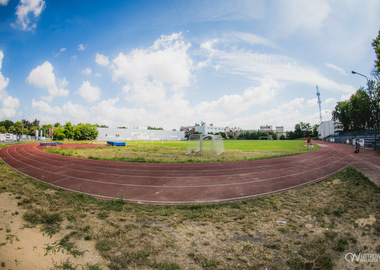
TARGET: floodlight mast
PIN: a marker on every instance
(319, 103)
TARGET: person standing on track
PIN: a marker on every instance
(308, 143)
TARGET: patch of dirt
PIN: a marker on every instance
(25, 248)
(366, 221)
(337, 181)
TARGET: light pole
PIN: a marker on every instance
(354, 72)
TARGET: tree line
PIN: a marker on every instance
(68, 131)
(362, 110)
(303, 130)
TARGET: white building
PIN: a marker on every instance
(280, 131)
(325, 130)
(267, 128)
(208, 129)
(123, 134)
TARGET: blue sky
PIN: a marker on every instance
(173, 63)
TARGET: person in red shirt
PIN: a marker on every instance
(308, 142)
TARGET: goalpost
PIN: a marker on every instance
(205, 144)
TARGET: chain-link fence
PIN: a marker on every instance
(370, 138)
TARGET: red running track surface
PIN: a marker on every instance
(181, 183)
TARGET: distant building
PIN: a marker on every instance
(188, 130)
(232, 131)
(123, 134)
(208, 129)
(338, 128)
(325, 130)
(280, 131)
(267, 128)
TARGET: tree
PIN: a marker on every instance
(58, 133)
(274, 136)
(32, 131)
(306, 129)
(11, 129)
(315, 130)
(374, 88)
(362, 110)
(36, 123)
(155, 128)
(356, 113)
(376, 46)
(6, 124)
(291, 135)
(18, 128)
(3, 129)
(68, 130)
(340, 113)
(247, 135)
(85, 132)
(254, 135)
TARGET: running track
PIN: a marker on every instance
(179, 183)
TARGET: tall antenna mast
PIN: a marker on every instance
(319, 103)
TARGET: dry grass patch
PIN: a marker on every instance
(240, 150)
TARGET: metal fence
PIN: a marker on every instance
(12, 138)
(370, 138)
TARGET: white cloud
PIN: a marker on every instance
(81, 47)
(167, 62)
(299, 14)
(4, 2)
(24, 12)
(45, 108)
(87, 71)
(330, 101)
(232, 104)
(286, 114)
(312, 102)
(249, 38)
(89, 92)
(156, 79)
(62, 49)
(336, 68)
(101, 59)
(76, 112)
(43, 77)
(109, 113)
(9, 103)
(226, 10)
(345, 97)
(256, 66)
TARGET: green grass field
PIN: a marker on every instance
(174, 151)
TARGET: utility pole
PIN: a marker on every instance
(319, 102)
